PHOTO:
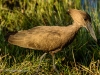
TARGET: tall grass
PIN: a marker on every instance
(79, 58)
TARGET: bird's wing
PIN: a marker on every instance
(37, 38)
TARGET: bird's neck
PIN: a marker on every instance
(71, 32)
(76, 26)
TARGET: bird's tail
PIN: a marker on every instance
(7, 33)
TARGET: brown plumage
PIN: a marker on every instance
(53, 38)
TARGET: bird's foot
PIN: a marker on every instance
(38, 70)
(56, 70)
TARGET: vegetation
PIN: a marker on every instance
(82, 57)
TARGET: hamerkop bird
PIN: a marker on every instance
(52, 39)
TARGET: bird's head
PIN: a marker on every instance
(83, 19)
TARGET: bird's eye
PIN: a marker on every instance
(85, 19)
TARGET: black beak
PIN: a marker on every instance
(90, 29)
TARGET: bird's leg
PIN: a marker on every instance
(42, 58)
(54, 66)
(41, 61)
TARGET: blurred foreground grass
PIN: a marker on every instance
(82, 57)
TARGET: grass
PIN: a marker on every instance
(82, 57)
